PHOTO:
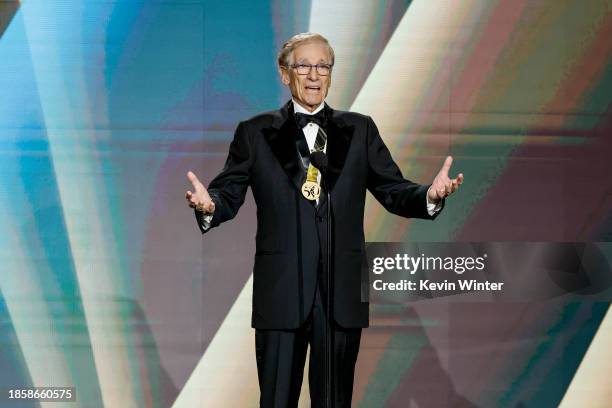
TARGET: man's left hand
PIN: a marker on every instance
(443, 186)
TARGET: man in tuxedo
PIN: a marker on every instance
(271, 154)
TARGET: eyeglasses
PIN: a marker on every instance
(304, 69)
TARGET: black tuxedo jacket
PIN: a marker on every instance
(291, 229)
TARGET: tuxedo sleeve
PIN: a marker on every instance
(229, 188)
(387, 184)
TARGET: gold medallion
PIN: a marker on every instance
(311, 190)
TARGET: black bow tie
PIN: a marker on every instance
(303, 119)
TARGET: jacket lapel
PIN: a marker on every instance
(339, 141)
(339, 136)
(281, 139)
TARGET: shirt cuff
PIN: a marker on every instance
(206, 220)
(431, 207)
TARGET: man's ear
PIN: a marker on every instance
(284, 74)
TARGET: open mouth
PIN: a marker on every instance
(313, 88)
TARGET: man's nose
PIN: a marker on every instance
(313, 74)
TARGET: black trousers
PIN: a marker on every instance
(281, 355)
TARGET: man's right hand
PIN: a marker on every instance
(199, 198)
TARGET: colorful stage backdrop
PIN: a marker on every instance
(107, 285)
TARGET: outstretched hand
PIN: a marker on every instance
(199, 198)
(442, 185)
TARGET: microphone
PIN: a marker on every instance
(320, 161)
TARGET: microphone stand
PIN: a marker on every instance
(328, 310)
(319, 160)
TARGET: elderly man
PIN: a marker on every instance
(271, 154)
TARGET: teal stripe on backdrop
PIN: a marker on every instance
(548, 373)
(13, 367)
(240, 75)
